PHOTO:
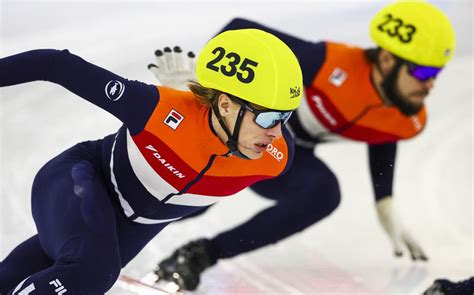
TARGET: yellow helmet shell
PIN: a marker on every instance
(416, 31)
(254, 66)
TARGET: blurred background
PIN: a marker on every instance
(346, 253)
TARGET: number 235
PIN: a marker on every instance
(245, 72)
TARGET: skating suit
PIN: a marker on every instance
(166, 160)
(340, 103)
(97, 204)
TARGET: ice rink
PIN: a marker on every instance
(348, 252)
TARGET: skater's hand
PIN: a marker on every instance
(174, 68)
(399, 236)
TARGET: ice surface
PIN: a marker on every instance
(347, 252)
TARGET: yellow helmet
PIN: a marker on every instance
(416, 31)
(253, 65)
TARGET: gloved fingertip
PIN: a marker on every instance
(158, 52)
(424, 258)
(191, 54)
(152, 66)
(177, 49)
(167, 49)
(398, 253)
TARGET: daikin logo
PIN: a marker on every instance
(320, 106)
(164, 162)
(114, 90)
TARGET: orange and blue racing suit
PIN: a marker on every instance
(341, 103)
(97, 204)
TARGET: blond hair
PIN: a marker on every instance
(205, 96)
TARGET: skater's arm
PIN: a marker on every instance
(290, 142)
(382, 164)
(132, 102)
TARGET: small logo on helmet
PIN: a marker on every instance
(114, 90)
(173, 119)
(295, 92)
(447, 52)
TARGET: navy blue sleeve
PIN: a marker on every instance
(310, 55)
(382, 165)
(132, 102)
(291, 147)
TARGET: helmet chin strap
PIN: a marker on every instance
(389, 88)
(232, 138)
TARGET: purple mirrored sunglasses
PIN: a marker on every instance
(422, 73)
